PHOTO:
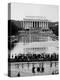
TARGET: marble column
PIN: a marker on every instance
(47, 24)
(23, 24)
(34, 24)
(39, 24)
(43, 25)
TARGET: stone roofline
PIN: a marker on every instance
(35, 18)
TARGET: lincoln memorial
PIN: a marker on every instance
(35, 22)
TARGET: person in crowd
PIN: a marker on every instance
(33, 69)
(38, 69)
(18, 74)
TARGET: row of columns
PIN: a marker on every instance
(43, 25)
(36, 24)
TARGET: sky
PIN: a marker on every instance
(20, 10)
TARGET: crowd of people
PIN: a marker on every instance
(34, 57)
